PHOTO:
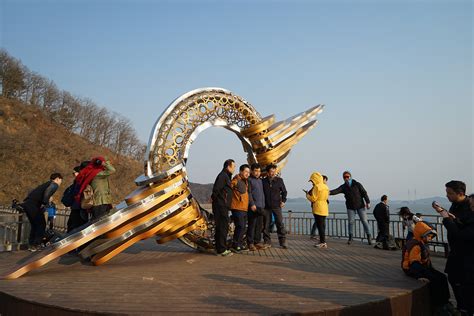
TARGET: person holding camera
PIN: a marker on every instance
(318, 196)
(241, 203)
(459, 222)
(96, 175)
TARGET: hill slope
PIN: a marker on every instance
(32, 146)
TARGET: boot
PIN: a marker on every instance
(349, 241)
(369, 239)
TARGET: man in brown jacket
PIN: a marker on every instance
(241, 202)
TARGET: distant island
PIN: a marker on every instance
(422, 206)
(429, 200)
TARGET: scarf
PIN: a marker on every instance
(87, 174)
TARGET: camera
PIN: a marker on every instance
(97, 162)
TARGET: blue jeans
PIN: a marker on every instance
(363, 218)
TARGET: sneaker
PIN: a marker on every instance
(226, 253)
(313, 237)
(321, 245)
(33, 248)
(259, 246)
(237, 250)
(284, 246)
(252, 247)
(369, 239)
(36, 248)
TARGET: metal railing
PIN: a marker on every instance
(15, 227)
(300, 223)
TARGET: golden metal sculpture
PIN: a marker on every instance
(162, 205)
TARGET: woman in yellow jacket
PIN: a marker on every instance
(318, 196)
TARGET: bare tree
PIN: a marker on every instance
(78, 115)
(11, 75)
(51, 97)
(35, 86)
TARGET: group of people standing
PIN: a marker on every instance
(90, 183)
(459, 223)
(253, 201)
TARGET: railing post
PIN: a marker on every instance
(20, 227)
(289, 221)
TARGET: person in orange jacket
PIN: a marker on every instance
(241, 202)
(416, 263)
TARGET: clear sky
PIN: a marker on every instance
(396, 77)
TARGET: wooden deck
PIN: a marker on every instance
(174, 279)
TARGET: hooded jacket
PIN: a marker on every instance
(416, 255)
(318, 195)
(101, 185)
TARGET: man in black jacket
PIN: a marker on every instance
(459, 222)
(34, 205)
(382, 216)
(355, 195)
(275, 198)
(221, 200)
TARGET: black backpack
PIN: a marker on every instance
(68, 196)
